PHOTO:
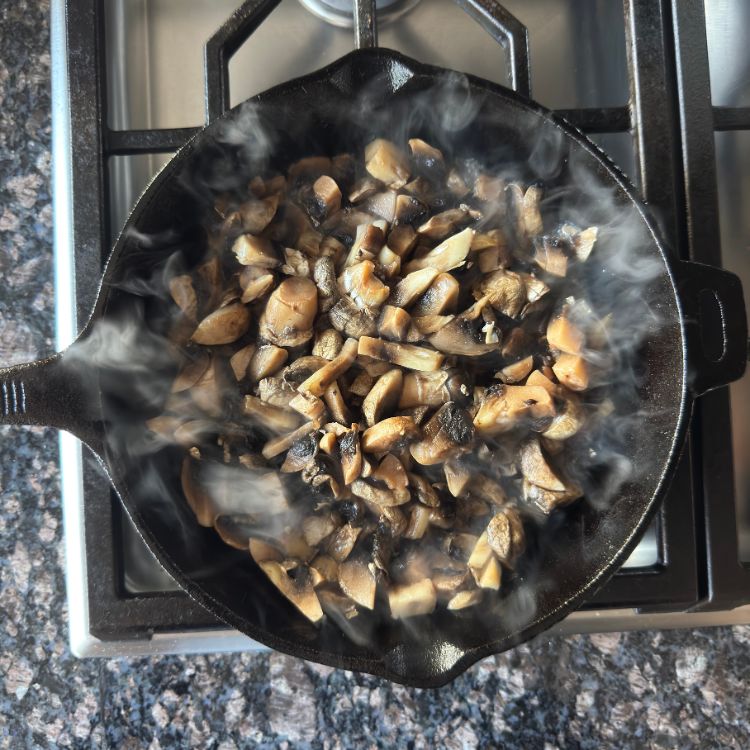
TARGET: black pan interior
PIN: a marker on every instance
(367, 94)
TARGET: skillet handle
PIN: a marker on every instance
(715, 325)
(51, 393)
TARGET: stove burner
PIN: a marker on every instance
(341, 12)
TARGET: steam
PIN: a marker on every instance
(135, 359)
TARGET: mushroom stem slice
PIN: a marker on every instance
(564, 335)
(336, 404)
(549, 500)
(457, 477)
(387, 163)
(419, 522)
(412, 599)
(449, 254)
(394, 323)
(404, 355)
(309, 406)
(517, 371)
(383, 397)
(342, 542)
(320, 380)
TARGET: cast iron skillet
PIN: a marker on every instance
(324, 112)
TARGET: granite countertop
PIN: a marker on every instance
(663, 689)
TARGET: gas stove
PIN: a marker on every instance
(134, 79)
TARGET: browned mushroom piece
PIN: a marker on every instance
(310, 407)
(376, 495)
(412, 286)
(394, 323)
(389, 264)
(432, 388)
(404, 355)
(361, 384)
(440, 225)
(290, 312)
(389, 434)
(505, 407)
(489, 189)
(449, 254)
(419, 522)
(440, 298)
(256, 215)
(267, 360)
(352, 321)
(327, 344)
(464, 599)
(192, 372)
(364, 188)
(324, 275)
(505, 535)
(327, 197)
(296, 263)
(572, 371)
(223, 326)
(426, 493)
(363, 287)
(568, 421)
(505, 291)
(270, 417)
(517, 371)
(198, 498)
(427, 158)
(334, 400)
(357, 581)
(387, 163)
(535, 287)
(351, 454)
(526, 204)
(391, 472)
(342, 541)
(413, 599)
(255, 282)
(276, 392)
(255, 251)
(408, 209)
(564, 335)
(456, 183)
(316, 528)
(326, 568)
(448, 433)
(282, 443)
(263, 551)
(429, 324)
(550, 256)
(401, 240)
(466, 334)
(383, 396)
(536, 469)
(235, 529)
(539, 379)
(582, 241)
(182, 291)
(321, 379)
(299, 590)
(457, 476)
(240, 361)
(549, 500)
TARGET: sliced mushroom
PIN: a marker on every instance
(377, 496)
(426, 493)
(505, 535)
(568, 422)
(419, 522)
(526, 207)
(428, 159)
(324, 275)
(389, 434)
(429, 324)
(505, 290)
(456, 184)
(404, 355)
(549, 500)
(516, 372)
(387, 163)
(266, 361)
(290, 312)
(198, 498)
(309, 406)
(270, 417)
(536, 469)
(448, 433)
(389, 263)
(431, 388)
(208, 390)
(320, 380)
(256, 215)
(183, 293)
(192, 372)
(489, 189)
(401, 240)
(412, 286)
(412, 599)
(235, 529)
(257, 287)
(550, 257)
(564, 335)
(391, 472)
(223, 326)
(262, 551)
(315, 529)
(408, 209)
(364, 188)
(284, 442)
(480, 554)
(255, 251)
(583, 241)
(364, 288)
(383, 397)
(466, 334)
(572, 371)
(326, 198)
(298, 590)
(540, 380)
(464, 599)
(441, 225)
(368, 242)
(490, 576)
(296, 263)
(362, 384)
(352, 321)
(441, 297)
(276, 391)
(327, 344)
(449, 254)
(457, 476)
(351, 454)
(334, 400)
(358, 582)
(394, 323)
(504, 407)
(342, 542)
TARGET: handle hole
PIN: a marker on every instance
(712, 325)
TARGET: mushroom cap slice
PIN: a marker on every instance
(412, 286)
(504, 407)
(266, 361)
(223, 326)
(290, 312)
(383, 396)
(464, 599)
(536, 469)
(466, 334)
(549, 500)
(299, 591)
(351, 454)
(505, 290)
(505, 535)
(387, 163)
(441, 297)
(388, 434)
(568, 422)
(572, 371)
(321, 379)
(448, 432)
(358, 582)
(182, 292)
(365, 289)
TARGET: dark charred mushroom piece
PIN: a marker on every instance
(447, 434)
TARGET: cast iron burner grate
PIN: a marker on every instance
(672, 122)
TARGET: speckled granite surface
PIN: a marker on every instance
(674, 689)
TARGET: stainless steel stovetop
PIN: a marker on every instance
(155, 80)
